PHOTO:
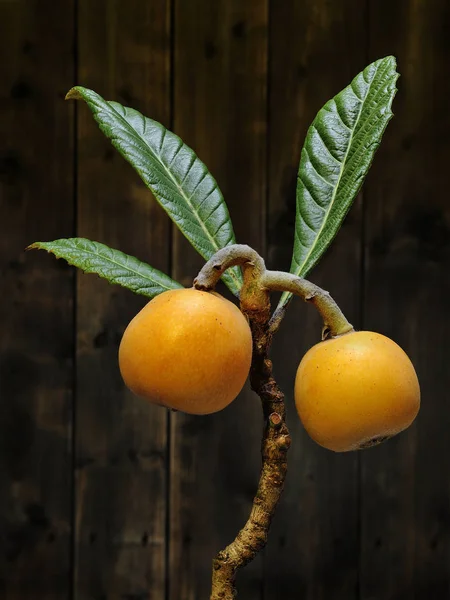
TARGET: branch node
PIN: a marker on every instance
(284, 442)
(275, 420)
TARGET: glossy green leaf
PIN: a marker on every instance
(177, 177)
(112, 265)
(338, 151)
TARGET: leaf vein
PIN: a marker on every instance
(319, 175)
(325, 145)
(335, 192)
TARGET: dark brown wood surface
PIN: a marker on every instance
(120, 494)
(103, 497)
(36, 306)
(405, 499)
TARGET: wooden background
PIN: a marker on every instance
(105, 498)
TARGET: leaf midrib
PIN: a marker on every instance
(334, 195)
(167, 170)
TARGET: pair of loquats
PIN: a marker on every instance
(191, 351)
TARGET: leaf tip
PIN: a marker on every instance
(33, 246)
(389, 59)
(74, 93)
(47, 246)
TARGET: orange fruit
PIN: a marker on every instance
(355, 391)
(187, 350)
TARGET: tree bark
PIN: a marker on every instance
(275, 444)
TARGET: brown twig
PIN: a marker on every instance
(275, 444)
(255, 304)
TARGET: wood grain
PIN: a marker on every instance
(240, 82)
(219, 110)
(36, 312)
(316, 48)
(124, 54)
(405, 497)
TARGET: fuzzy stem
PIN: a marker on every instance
(258, 282)
(255, 304)
(334, 321)
(253, 296)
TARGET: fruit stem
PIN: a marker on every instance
(253, 296)
(258, 282)
(334, 320)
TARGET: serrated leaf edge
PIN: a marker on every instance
(44, 246)
(336, 187)
(77, 93)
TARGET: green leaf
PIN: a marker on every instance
(177, 177)
(338, 151)
(110, 264)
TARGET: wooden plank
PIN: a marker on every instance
(124, 54)
(36, 324)
(220, 110)
(316, 47)
(405, 498)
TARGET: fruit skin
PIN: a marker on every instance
(355, 391)
(187, 350)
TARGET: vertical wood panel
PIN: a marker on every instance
(405, 498)
(124, 54)
(220, 110)
(36, 340)
(316, 48)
